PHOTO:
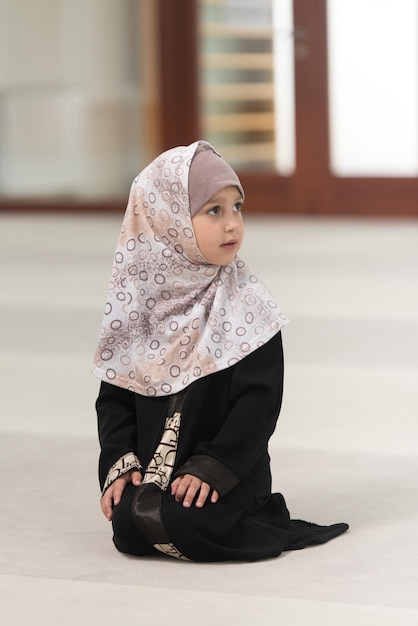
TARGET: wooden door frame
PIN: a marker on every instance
(179, 73)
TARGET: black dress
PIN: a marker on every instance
(217, 429)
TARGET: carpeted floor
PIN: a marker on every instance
(345, 448)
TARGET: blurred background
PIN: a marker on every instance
(314, 102)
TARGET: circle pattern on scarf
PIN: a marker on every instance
(171, 317)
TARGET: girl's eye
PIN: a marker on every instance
(238, 206)
(214, 210)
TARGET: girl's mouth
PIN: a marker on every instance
(230, 245)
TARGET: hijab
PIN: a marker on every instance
(171, 317)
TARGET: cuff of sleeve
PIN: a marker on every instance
(125, 464)
(211, 471)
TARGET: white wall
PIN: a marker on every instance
(69, 97)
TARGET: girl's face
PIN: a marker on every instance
(219, 228)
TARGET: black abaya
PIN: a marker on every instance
(217, 429)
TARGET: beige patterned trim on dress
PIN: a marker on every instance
(170, 550)
(161, 466)
(123, 465)
(160, 469)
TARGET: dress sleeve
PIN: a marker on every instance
(116, 419)
(256, 397)
(123, 465)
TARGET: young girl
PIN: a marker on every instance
(191, 363)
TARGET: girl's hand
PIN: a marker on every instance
(184, 488)
(113, 494)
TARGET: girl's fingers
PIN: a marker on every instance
(182, 486)
(194, 486)
(136, 478)
(119, 486)
(113, 494)
(185, 488)
(204, 492)
(174, 486)
(106, 504)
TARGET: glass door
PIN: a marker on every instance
(246, 82)
(246, 93)
(373, 103)
(373, 87)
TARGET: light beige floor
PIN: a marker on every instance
(345, 448)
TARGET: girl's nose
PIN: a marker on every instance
(230, 221)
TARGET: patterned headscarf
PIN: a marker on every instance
(171, 317)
